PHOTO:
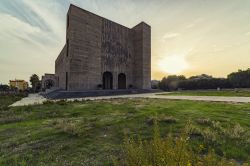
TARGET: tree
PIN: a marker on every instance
(240, 79)
(4, 87)
(204, 83)
(171, 82)
(35, 82)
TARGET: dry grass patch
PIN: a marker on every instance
(203, 121)
(69, 126)
(162, 119)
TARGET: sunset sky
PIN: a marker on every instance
(189, 37)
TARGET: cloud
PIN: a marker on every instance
(14, 30)
(32, 34)
(13, 27)
(20, 10)
(190, 26)
(170, 35)
(55, 21)
(194, 23)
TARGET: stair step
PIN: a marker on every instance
(61, 94)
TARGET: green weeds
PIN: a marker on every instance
(172, 151)
(89, 132)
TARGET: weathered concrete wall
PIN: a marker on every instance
(142, 56)
(146, 56)
(117, 51)
(84, 35)
(61, 66)
(96, 45)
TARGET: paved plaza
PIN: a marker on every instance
(34, 99)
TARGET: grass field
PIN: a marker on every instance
(91, 132)
(228, 93)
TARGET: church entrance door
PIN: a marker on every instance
(122, 81)
(107, 80)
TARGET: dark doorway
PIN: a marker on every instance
(49, 84)
(107, 80)
(122, 81)
(66, 84)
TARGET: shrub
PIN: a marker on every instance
(168, 119)
(48, 102)
(236, 132)
(12, 118)
(204, 121)
(4, 108)
(209, 135)
(68, 127)
(8, 99)
(150, 121)
(161, 118)
(194, 131)
(166, 151)
(62, 102)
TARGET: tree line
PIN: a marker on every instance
(239, 79)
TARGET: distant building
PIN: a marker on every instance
(49, 81)
(19, 84)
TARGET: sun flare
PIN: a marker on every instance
(173, 64)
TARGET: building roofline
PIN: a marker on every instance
(142, 23)
(64, 46)
(72, 5)
(18, 81)
(48, 74)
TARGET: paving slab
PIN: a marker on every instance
(205, 98)
(34, 99)
(157, 96)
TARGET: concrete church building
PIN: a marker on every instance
(101, 54)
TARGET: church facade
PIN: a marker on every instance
(101, 54)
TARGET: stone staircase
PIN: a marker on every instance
(62, 94)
